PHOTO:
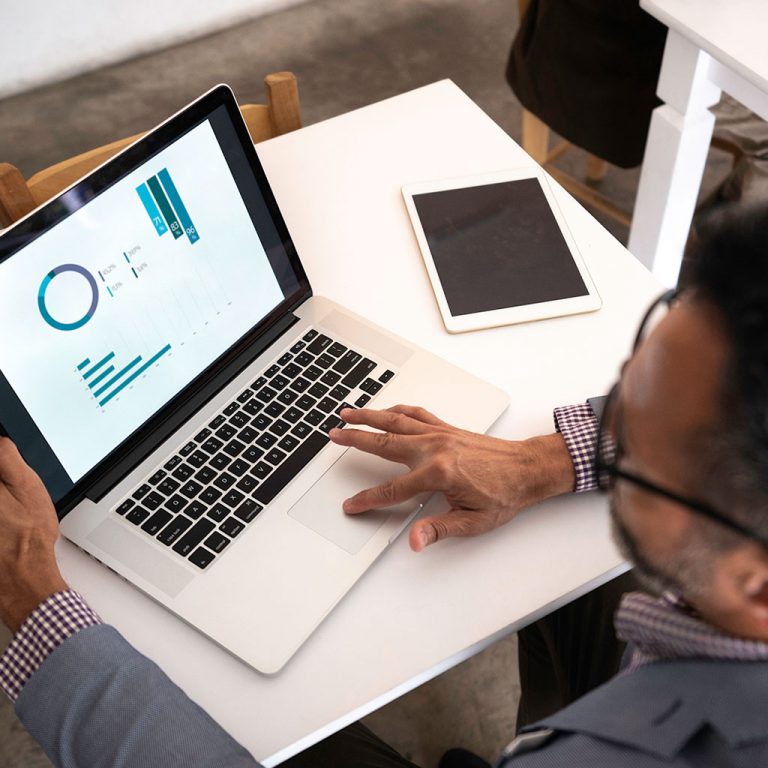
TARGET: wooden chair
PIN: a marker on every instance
(18, 197)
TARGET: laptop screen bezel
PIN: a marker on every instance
(151, 433)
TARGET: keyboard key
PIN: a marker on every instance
(190, 489)
(195, 509)
(187, 449)
(172, 463)
(305, 402)
(210, 496)
(348, 362)
(245, 396)
(303, 360)
(309, 335)
(201, 557)
(286, 397)
(233, 498)
(197, 459)
(221, 461)
(239, 467)
(273, 370)
(301, 430)
(231, 527)
(157, 477)
(253, 406)
(370, 386)
(330, 378)
(292, 370)
(216, 542)
(224, 481)
(336, 349)
(168, 486)
(248, 510)
(176, 503)
(230, 409)
(266, 394)
(182, 472)
(285, 359)
(137, 515)
(283, 475)
(226, 431)
(297, 347)
(240, 419)
(288, 443)
(313, 372)
(247, 483)
(292, 415)
(279, 382)
(324, 361)
(251, 454)
(358, 373)
(218, 512)
(218, 421)
(314, 417)
(203, 434)
(362, 401)
(339, 392)
(247, 435)
(330, 423)
(159, 520)
(386, 376)
(274, 408)
(234, 448)
(211, 445)
(300, 385)
(342, 406)
(261, 470)
(206, 475)
(275, 456)
(318, 390)
(152, 501)
(141, 492)
(262, 421)
(280, 427)
(326, 405)
(319, 344)
(193, 537)
(267, 440)
(173, 530)
(125, 506)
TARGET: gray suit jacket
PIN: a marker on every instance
(97, 702)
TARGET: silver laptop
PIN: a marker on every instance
(167, 371)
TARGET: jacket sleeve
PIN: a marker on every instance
(96, 701)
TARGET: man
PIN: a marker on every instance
(684, 450)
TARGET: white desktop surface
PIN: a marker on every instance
(413, 615)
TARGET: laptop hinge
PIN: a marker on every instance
(202, 395)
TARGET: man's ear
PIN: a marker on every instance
(755, 586)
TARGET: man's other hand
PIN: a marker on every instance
(487, 481)
(28, 532)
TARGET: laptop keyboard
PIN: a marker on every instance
(205, 495)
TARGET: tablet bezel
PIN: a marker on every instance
(508, 315)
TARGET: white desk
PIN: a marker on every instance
(412, 616)
(712, 46)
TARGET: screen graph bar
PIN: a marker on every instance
(84, 363)
(98, 365)
(178, 205)
(152, 360)
(101, 377)
(151, 208)
(165, 207)
(99, 392)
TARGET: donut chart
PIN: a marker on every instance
(58, 325)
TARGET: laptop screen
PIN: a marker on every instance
(110, 313)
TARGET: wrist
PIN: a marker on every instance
(22, 593)
(556, 474)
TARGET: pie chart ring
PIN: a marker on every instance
(59, 326)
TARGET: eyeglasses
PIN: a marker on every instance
(608, 452)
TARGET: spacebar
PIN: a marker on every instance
(290, 468)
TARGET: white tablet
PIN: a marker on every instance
(498, 250)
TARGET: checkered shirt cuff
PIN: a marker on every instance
(578, 426)
(48, 626)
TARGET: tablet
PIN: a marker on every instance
(498, 250)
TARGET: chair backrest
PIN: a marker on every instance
(281, 114)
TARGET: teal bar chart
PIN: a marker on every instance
(166, 209)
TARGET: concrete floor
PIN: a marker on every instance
(346, 54)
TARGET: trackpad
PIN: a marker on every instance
(320, 507)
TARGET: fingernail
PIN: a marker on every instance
(347, 505)
(335, 432)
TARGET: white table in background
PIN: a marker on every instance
(412, 616)
(712, 46)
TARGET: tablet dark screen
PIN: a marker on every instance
(497, 246)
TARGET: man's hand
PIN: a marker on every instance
(487, 481)
(28, 531)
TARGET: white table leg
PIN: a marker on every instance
(675, 156)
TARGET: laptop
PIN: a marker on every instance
(168, 372)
